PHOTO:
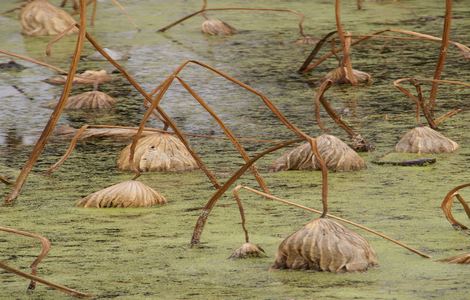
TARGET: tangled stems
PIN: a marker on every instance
(446, 206)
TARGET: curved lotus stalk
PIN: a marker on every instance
(129, 193)
(425, 140)
(158, 152)
(337, 155)
(40, 18)
(325, 245)
(217, 27)
(457, 259)
(45, 248)
(87, 77)
(446, 206)
(358, 142)
(248, 250)
(89, 100)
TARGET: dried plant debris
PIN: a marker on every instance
(89, 100)
(129, 193)
(337, 155)
(116, 55)
(307, 40)
(40, 18)
(158, 152)
(423, 139)
(248, 250)
(458, 259)
(325, 245)
(87, 77)
(217, 27)
(339, 76)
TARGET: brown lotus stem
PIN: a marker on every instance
(236, 196)
(442, 55)
(227, 132)
(267, 196)
(169, 121)
(359, 4)
(324, 176)
(201, 221)
(50, 284)
(359, 143)
(422, 104)
(203, 10)
(45, 247)
(5, 180)
(464, 49)
(34, 61)
(315, 51)
(93, 13)
(41, 143)
(346, 44)
(57, 38)
(446, 206)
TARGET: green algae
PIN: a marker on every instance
(137, 253)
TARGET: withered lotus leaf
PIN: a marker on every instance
(89, 100)
(248, 250)
(325, 245)
(87, 77)
(158, 152)
(217, 27)
(337, 155)
(339, 76)
(129, 193)
(424, 139)
(458, 259)
(40, 18)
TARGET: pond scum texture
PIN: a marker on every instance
(144, 252)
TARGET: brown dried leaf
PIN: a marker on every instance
(425, 140)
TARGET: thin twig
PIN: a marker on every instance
(442, 56)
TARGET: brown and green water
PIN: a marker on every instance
(138, 253)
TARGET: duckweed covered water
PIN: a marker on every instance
(137, 253)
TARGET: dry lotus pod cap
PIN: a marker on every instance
(129, 193)
(39, 18)
(458, 259)
(423, 139)
(338, 76)
(217, 27)
(248, 250)
(325, 245)
(89, 100)
(337, 155)
(87, 77)
(158, 152)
